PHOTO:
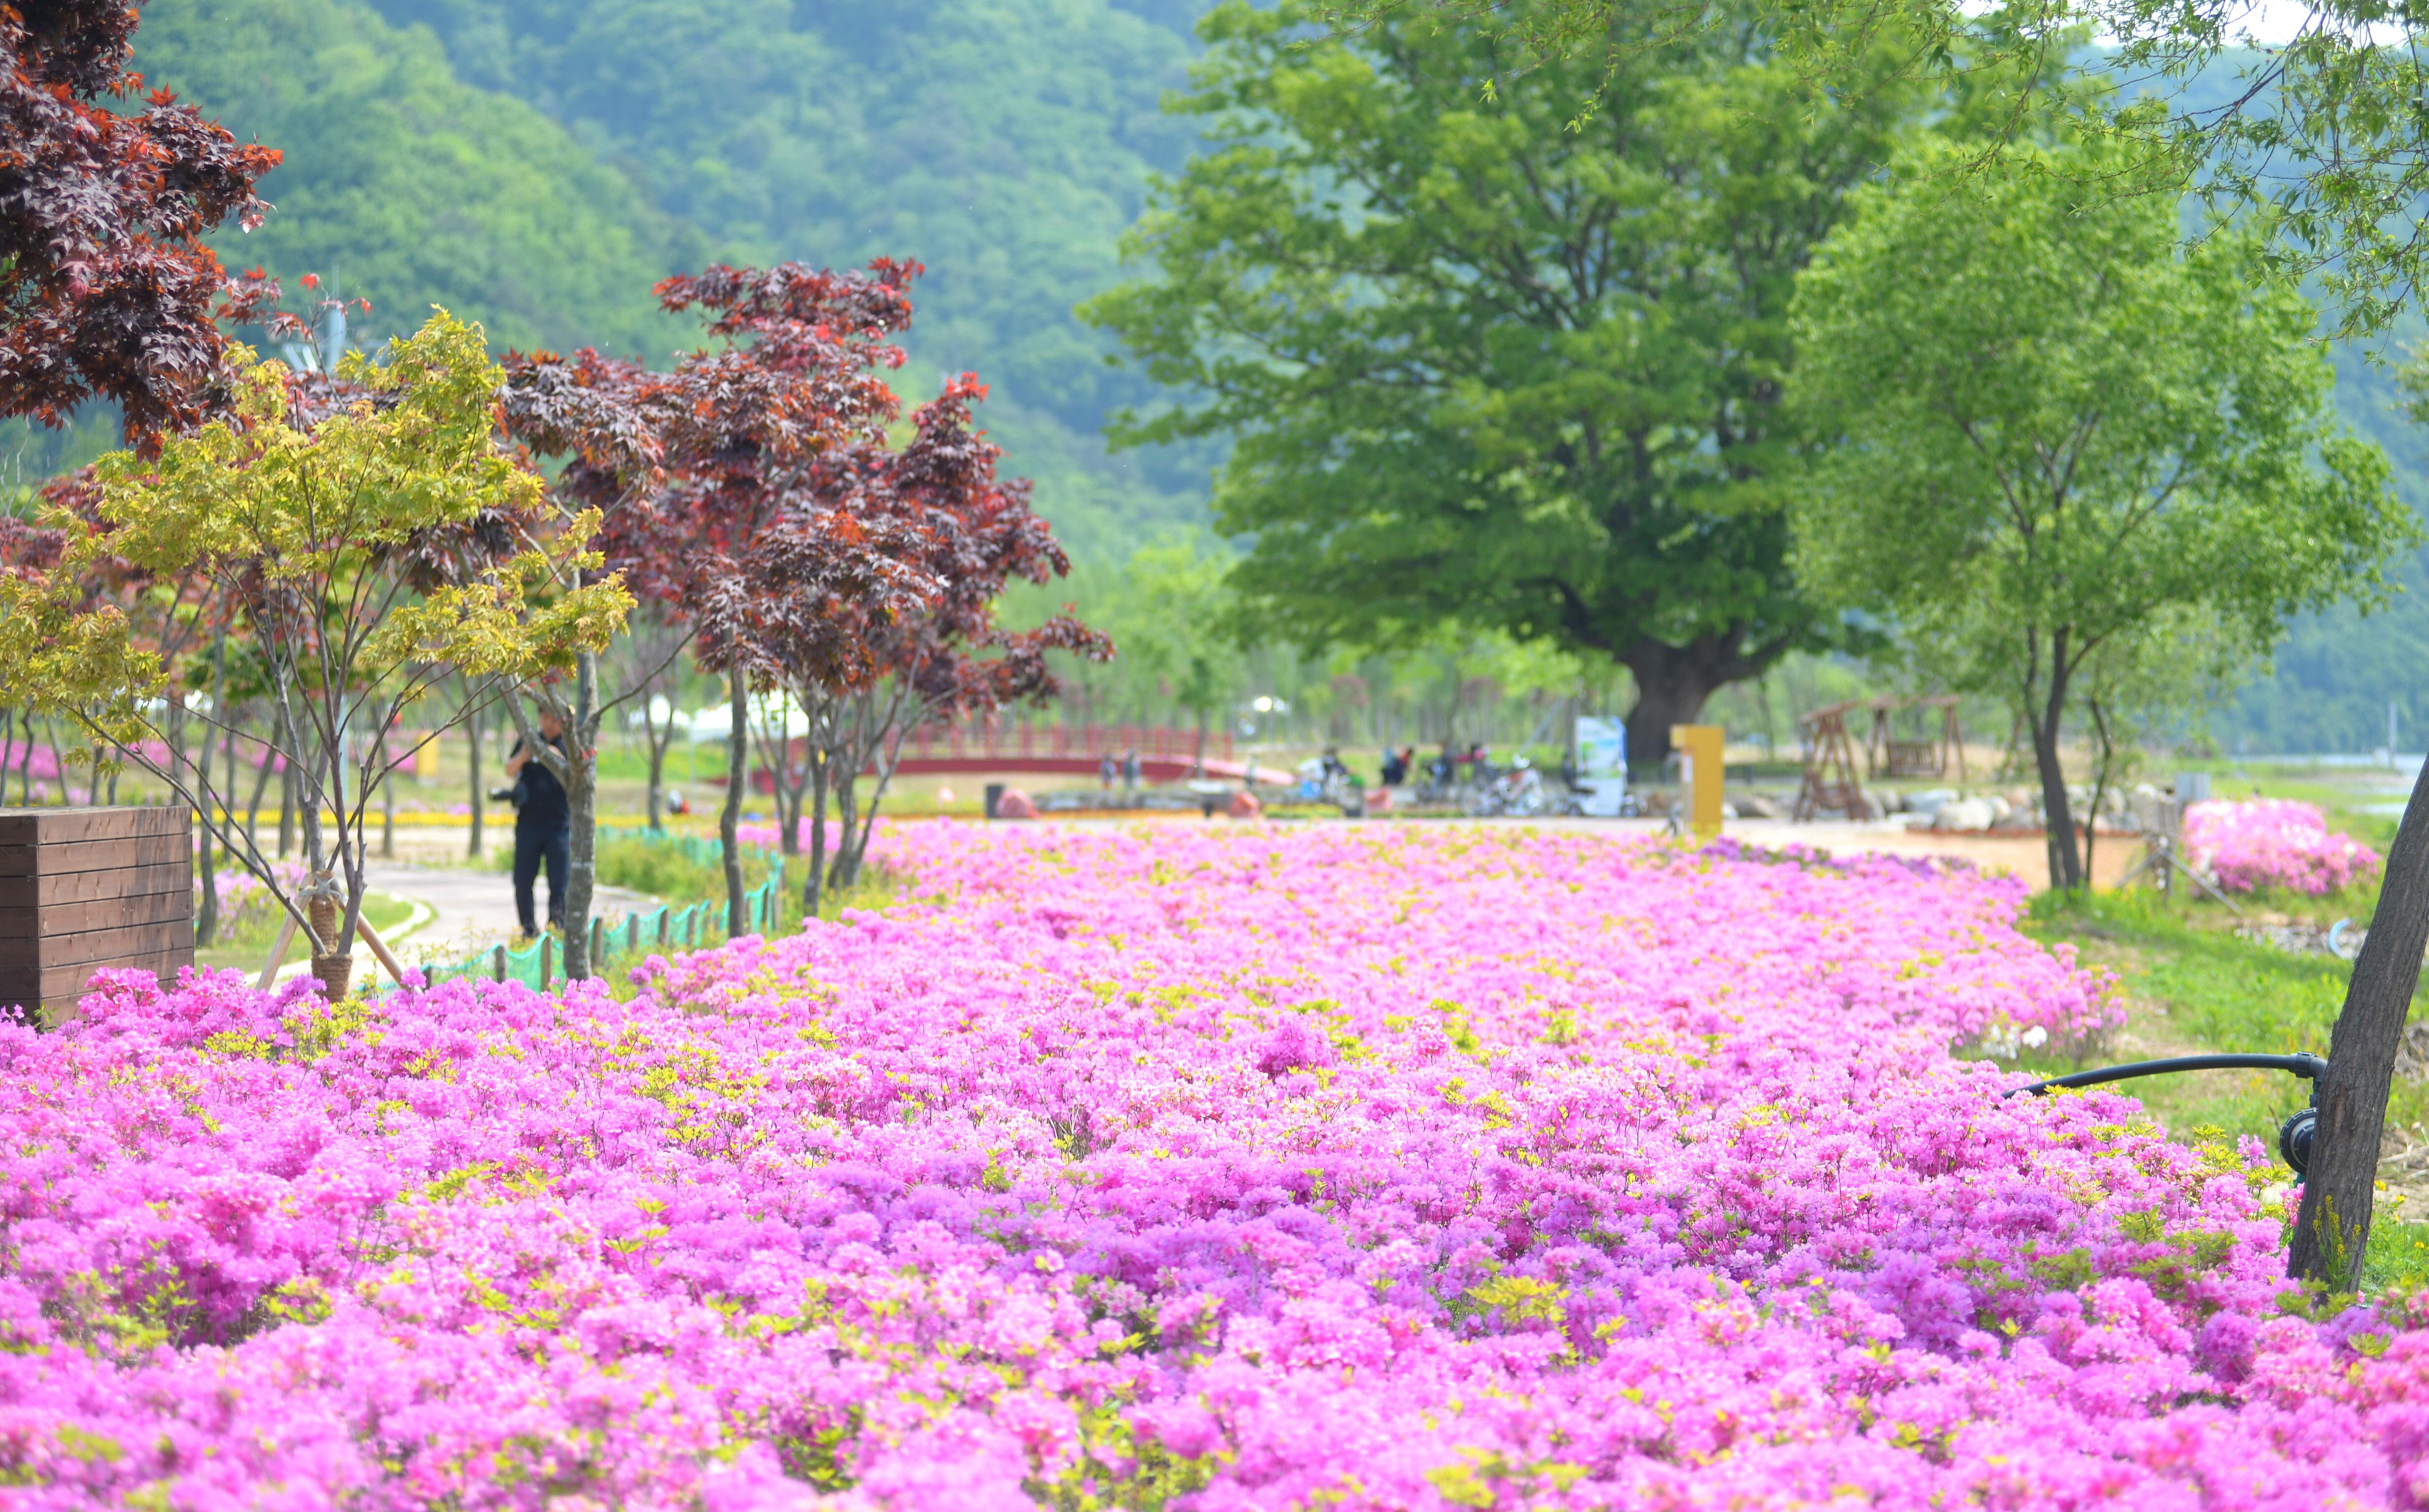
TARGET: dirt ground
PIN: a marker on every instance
(2026, 856)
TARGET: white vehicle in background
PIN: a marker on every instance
(1516, 790)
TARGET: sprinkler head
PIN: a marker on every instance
(2294, 1139)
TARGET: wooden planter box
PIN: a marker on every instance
(82, 889)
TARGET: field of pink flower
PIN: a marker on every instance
(2274, 843)
(1209, 1169)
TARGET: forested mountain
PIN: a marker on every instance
(405, 185)
(540, 163)
(2337, 672)
(1005, 143)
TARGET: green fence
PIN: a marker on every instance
(632, 938)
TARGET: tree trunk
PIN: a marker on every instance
(285, 801)
(227, 749)
(207, 913)
(1672, 685)
(795, 799)
(850, 855)
(2065, 864)
(2332, 1231)
(850, 858)
(816, 879)
(582, 809)
(776, 748)
(2103, 777)
(846, 813)
(333, 962)
(659, 760)
(58, 760)
(253, 804)
(581, 872)
(737, 772)
(472, 763)
(260, 785)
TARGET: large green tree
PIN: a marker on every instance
(2061, 432)
(2313, 111)
(1480, 366)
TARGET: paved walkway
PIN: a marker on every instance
(459, 911)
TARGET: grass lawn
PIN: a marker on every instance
(247, 949)
(2192, 986)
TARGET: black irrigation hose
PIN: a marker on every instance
(2307, 1066)
(2293, 1139)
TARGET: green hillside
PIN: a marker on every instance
(537, 164)
(2337, 672)
(1005, 143)
(412, 187)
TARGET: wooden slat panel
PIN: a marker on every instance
(17, 972)
(55, 993)
(26, 924)
(62, 988)
(80, 887)
(18, 985)
(49, 858)
(28, 826)
(136, 942)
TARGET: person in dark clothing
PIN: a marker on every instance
(543, 827)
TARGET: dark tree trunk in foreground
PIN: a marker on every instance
(2331, 1232)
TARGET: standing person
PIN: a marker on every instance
(1105, 772)
(1130, 769)
(543, 827)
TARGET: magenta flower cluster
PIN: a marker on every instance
(2274, 843)
(1201, 1169)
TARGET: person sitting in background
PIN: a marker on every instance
(1395, 767)
(543, 827)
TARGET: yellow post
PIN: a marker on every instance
(1700, 748)
(425, 758)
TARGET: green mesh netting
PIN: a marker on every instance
(632, 938)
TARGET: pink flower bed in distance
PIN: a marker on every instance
(2249, 844)
(243, 901)
(1206, 1169)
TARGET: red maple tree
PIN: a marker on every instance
(701, 474)
(107, 291)
(945, 657)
